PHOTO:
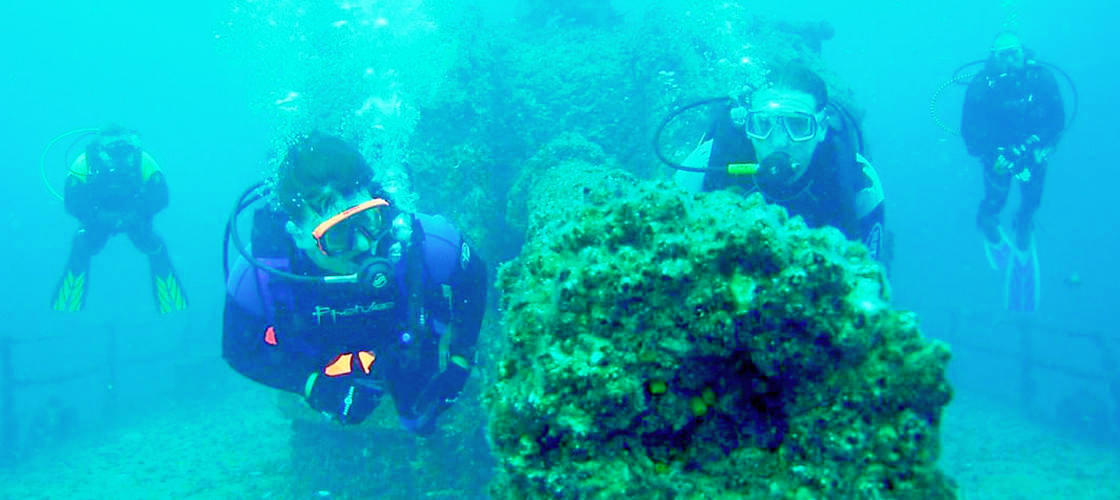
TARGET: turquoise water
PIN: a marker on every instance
(464, 94)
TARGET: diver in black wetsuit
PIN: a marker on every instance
(800, 151)
(116, 187)
(1012, 119)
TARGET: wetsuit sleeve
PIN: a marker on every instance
(255, 351)
(693, 182)
(870, 209)
(467, 283)
(259, 339)
(871, 228)
(1051, 115)
(78, 193)
(974, 123)
(153, 194)
(468, 306)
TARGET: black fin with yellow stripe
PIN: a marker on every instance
(166, 287)
(169, 295)
(70, 294)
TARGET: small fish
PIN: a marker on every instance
(293, 95)
(287, 103)
(366, 106)
(1073, 280)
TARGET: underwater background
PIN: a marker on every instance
(452, 101)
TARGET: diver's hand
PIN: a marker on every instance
(1040, 155)
(440, 393)
(1016, 169)
(349, 398)
(1003, 165)
(1030, 150)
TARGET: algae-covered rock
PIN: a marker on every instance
(664, 344)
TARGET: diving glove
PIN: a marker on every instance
(440, 393)
(1017, 160)
(349, 399)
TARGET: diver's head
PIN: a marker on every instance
(1007, 53)
(115, 151)
(325, 187)
(788, 119)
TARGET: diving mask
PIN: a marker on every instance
(793, 111)
(799, 125)
(342, 232)
(1008, 58)
(117, 153)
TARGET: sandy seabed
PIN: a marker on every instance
(237, 447)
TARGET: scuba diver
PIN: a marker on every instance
(1012, 119)
(116, 187)
(810, 157)
(342, 297)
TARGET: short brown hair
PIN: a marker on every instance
(317, 161)
(796, 76)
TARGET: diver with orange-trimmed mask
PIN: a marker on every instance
(341, 297)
